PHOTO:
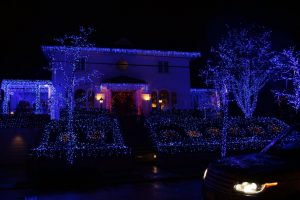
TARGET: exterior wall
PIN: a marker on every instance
(143, 67)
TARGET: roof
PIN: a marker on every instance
(143, 52)
(25, 83)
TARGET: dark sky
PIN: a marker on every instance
(183, 26)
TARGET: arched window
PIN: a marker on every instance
(164, 96)
(154, 100)
(91, 99)
(80, 98)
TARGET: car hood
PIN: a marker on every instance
(252, 162)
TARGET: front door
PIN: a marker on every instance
(123, 103)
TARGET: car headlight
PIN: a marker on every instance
(205, 172)
(253, 188)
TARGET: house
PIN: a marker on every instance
(131, 80)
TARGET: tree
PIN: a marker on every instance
(241, 64)
(246, 53)
(219, 77)
(288, 66)
(71, 49)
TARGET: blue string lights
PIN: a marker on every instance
(96, 135)
(36, 87)
(126, 51)
(245, 56)
(242, 64)
(70, 50)
(23, 121)
(288, 67)
(173, 134)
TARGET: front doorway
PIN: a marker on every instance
(123, 103)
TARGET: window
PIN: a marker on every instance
(122, 65)
(164, 96)
(154, 100)
(91, 98)
(80, 64)
(163, 66)
(80, 98)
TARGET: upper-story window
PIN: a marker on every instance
(80, 64)
(122, 64)
(163, 66)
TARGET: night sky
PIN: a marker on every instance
(25, 26)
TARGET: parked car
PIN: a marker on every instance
(273, 173)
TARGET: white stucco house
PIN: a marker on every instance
(132, 80)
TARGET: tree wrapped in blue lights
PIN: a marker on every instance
(219, 76)
(72, 53)
(288, 66)
(241, 64)
(246, 54)
(220, 79)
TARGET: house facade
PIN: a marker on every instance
(129, 80)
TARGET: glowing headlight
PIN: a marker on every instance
(253, 188)
(204, 175)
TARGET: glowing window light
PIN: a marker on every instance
(146, 97)
(100, 96)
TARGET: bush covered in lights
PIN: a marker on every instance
(23, 121)
(183, 132)
(97, 134)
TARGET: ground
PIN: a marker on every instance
(164, 179)
(160, 190)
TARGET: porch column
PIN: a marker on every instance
(6, 100)
(108, 100)
(53, 104)
(138, 100)
(37, 100)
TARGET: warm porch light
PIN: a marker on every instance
(100, 96)
(146, 97)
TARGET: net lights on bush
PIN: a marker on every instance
(173, 134)
(24, 121)
(95, 136)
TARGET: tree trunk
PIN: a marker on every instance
(70, 128)
(225, 124)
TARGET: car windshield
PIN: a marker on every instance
(287, 144)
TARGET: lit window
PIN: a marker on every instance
(154, 99)
(164, 96)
